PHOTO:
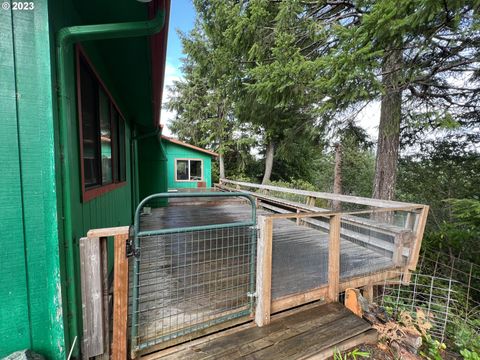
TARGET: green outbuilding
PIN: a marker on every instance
(188, 166)
(80, 144)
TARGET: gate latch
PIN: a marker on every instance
(131, 251)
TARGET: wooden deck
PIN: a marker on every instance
(311, 332)
(300, 254)
(194, 282)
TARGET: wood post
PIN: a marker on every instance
(334, 258)
(368, 292)
(311, 201)
(415, 248)
(264, 271)
(120, 298)
(397, 257)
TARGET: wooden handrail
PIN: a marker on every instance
(406, 242)
(322, 195)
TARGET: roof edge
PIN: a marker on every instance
(181, 143)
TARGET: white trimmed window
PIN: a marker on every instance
(188, 170)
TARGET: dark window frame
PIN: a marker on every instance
(89, 193)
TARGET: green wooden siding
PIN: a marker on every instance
(31, 313)
(175, 151)
(35, 311)
(152, 167)
(108, 57)
(114, 208)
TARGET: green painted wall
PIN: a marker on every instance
(31, 314)
(36, 313)
(152, 167)
(110, 209)
(175, 151)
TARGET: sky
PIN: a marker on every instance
(182, 17)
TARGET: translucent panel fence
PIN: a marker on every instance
(299, 256)
(370, 241)
(189, 278)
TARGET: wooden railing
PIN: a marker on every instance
(411, 235)
(405, 247)
(96, 294)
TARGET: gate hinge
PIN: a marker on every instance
(131, 251)
(250, 294)
(254, 227)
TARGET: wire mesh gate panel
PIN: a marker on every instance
(190, 278)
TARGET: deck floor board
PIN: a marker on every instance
(296, 336)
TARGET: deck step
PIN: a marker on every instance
(314, 333)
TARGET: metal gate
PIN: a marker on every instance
(189, 278)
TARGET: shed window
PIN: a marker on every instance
(102, 134)
(189, 170)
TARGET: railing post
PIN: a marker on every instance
(311, 201)
(120, 298)
(420, 228)
(397, 256)
(264, 271)
(334, 258)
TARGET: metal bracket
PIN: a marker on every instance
(254, 227)
(131, 251)
(250, 295)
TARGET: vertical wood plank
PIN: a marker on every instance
(264, 272)
(368, 293)
(92, 291)
(120, 298)
(311, 201)
(334, 258)
(106, 300)
(397, 257)
(420, 228)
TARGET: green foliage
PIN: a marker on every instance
(470, 355)
(460, 233)
(353, 355)
(432, 349)
(467, 340)
(446, 176)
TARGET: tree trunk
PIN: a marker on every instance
(268, 162)
(389, 129)
(221, 166)
(337, 180)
